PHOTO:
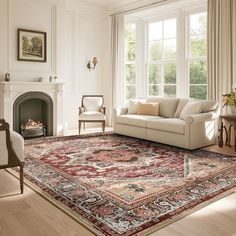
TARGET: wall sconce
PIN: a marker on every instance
(94, 62)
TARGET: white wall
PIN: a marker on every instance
(76, 32)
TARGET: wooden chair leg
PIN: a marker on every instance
(21, 179)
(103, 126)
(79, 126)
(84, 125)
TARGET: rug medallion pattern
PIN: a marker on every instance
(122, 185)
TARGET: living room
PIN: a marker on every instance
(122, 50)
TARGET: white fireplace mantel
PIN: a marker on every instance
(10, 91)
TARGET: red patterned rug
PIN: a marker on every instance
(116, 185)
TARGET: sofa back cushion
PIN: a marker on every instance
(151, 109)
(167, 106)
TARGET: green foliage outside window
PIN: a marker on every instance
(198, 48)
(155, 73)
(198, 72)
(198, 91)
(170, 73)
(130, 56)
(130, 73)
(155, 90)
(130, 91)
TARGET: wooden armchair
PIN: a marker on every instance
(12, 150)
(92, 110)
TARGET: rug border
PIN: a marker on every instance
(86, 223)
(56, 203)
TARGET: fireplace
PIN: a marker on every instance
(38, 101)
(33, 115)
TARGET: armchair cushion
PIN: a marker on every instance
(92, 115)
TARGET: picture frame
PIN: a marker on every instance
(32, 45)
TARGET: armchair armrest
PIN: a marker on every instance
(81, 110)
(201, 117)
(103, 110)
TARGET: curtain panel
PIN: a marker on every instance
(117, 59)
(221, 47)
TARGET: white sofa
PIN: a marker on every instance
(175, 125)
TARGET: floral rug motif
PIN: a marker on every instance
(118, 185)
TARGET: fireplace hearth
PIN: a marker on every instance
(33, 129)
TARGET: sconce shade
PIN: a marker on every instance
(94, 62)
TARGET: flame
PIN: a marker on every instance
(31, 124)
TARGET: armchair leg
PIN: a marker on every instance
(79, 126)
(21, 179)
(103, 126)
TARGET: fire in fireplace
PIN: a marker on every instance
(33, 129)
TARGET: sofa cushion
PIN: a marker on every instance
(133, 105)
(173, 125)
(151, 109)
(191, 108)
(167, 106)
(135, 120)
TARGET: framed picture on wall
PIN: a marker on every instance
(32, 45)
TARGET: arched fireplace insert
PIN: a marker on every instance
(33, 114)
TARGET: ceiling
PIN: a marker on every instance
(113, 3)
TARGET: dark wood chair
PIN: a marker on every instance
(12, 150)
(92, 110)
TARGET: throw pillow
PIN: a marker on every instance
(133, 105)
(151, 109)
(191, 108)
(180, 107)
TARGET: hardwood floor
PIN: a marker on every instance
(31, 215)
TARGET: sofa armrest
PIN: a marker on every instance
(119, 111)
(201, 117)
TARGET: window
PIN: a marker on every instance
(198, 56)
(166, 52)
(130, 60)
(162, 58)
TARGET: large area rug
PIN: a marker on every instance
(116, 185)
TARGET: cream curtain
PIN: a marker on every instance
(221, 47)
(117, 70)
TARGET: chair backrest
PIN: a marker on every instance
(4, 138)
(8, 156)
(92, 102)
